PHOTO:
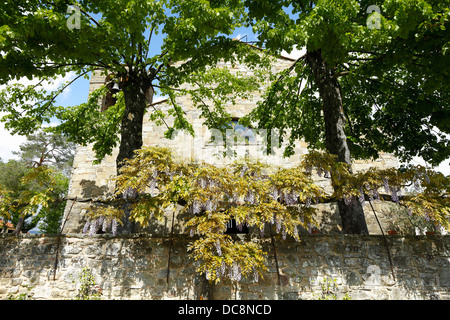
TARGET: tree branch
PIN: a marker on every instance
(53, 98)
(90, 17)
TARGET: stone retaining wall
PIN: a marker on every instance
(135, 267)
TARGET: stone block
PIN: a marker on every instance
(444, 277)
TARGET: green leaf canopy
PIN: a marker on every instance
(50, 39)
(392, 69)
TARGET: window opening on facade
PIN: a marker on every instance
(241, 132)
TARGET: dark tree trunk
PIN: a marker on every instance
(134, 89)
(19, 225)
(352, 217)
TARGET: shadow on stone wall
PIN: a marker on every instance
(91, 190)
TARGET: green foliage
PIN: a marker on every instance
(392, 79)
(273, 201)
(44, 148)
(117, 37)
(88, 289)
(28, 295)
(5, 197)
(86, 123)
(36, 185)
(329, 290)
(16, 193)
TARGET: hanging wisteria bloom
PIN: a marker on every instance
(86, 226)
(295, 195)
(209, 206)
(218, 248)
(375, 194)
(386, 185)
(308, 202)
(106, 224)
(361, 196)
(370, 198)
(202, 183)
(223, 267)
(102, 223)
(296, 234)
(234, 197)
(348, 200)
(278, 224)
(394, 195)
(243, 171)
(250, 197)
(319, 172)
(93, 228)
(152, 187)
(291, 198)
(275, 193)
(417, 185)
(196, 207)
(288, 198)
(114, 227)
(129, 193)
(213, 184)
(272, 221)
(255, 275)
(236, 272)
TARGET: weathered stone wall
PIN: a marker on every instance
(135, 267)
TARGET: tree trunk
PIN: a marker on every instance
(134, 89)
(352, 217)
(19, 225)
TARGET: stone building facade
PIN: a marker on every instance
(91, 181)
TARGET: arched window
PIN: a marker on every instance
(113, 87)
(241, 133)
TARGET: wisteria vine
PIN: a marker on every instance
(258, 196)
